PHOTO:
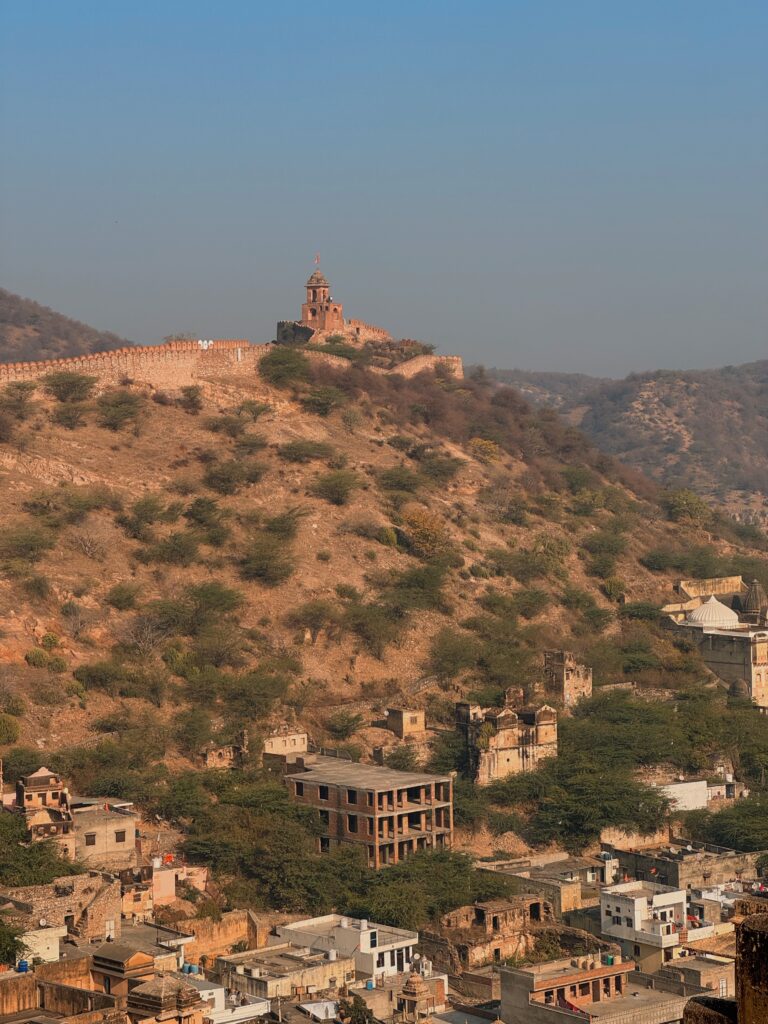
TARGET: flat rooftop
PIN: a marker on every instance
(324, 927)
(638, 1000)
(282, 961)
(364, 776)
(555, 971)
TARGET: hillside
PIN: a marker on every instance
(301, 540)
(703, 429)
(30, 331)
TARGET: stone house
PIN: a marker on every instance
(483, 933)
(406, 723)
(687, 864)
(566, 681)
(502, 742)
(84, 906)
(284, 971)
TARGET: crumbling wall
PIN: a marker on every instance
(216, 938)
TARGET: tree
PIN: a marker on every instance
(12, 949)
(284, 366)
(68, 386)
(336, 486)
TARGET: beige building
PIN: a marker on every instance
(727, 619)
(502, 742)
(600, 988)
(406, 723)
(105, 834)
(284, 971)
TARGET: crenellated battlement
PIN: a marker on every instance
(180, 363)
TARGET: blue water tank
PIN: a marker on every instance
(23, 966)
(185, 968)
(369, 984)
(194, 969)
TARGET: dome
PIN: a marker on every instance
(317, 280)
(713, 614)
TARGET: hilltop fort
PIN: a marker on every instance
(180, 363)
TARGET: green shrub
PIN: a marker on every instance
(645, 611)
(193, 730)
(253, 409)
(63, 506)
(16, 399)
(314, 615)
(118, 408)
(305, 451)
(56, 665)
(68, 386)
(267, 560)
(229, 477)
(9, 730)
(232, 426)
(686, 506)
(69, 416)
(323, 400)
(122, 596)
(49, 641)
(343, 724)
(250, 444)
(36, 658)
(399, 478)
(191, 399)
(283, 367)
(336, 487)
(285, 524)
(25, 543)
(175, 549)
(452, 653)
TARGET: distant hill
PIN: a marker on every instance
(704, 429)
(31, 331)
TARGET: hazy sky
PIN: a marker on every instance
(550, 184)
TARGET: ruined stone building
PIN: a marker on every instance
(87, 906)
(502, 742)
(322, 317)
(406, 723)
(228, 755)
(43, 799)
(484, 933)
(391, 814)
(566, 681)
(727, 620)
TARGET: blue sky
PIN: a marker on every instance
(574, 186)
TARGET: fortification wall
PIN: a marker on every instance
(182, 363)
(367, 332)
(176, 364)
(418, 364)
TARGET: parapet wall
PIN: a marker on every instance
(182, 363)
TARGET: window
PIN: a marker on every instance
(636, 950)
(607, 911)
(325, 818)
(628, 922)
(615, 919)
(325, 844)
(120, 836)
(380, 960)
(351, 796)
(414, 719)
(667, 955)
(584, 988)
(374, 937)
(299, 789)
(90, 839)
(352, 822)
(323, 792)
(723, 987)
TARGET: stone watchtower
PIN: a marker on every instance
(320, 312)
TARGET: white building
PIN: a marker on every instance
(377, 949)
(649, 921)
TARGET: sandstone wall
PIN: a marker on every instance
(182, 363)
(216, 938)
(17, 993)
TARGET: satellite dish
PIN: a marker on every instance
(42, 922)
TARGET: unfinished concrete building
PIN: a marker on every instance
(566, 680)
(502, 742)
(392, 814)
(485, 933)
